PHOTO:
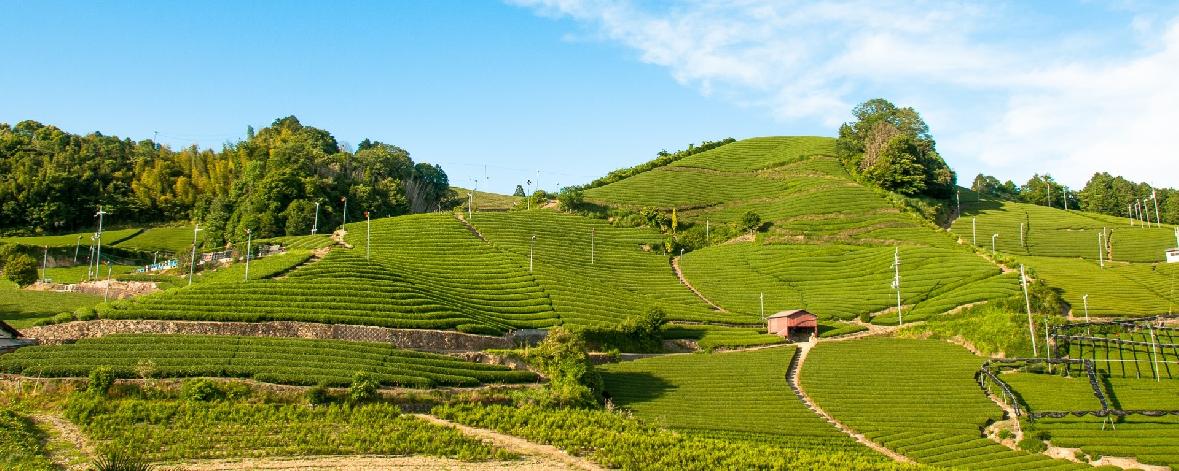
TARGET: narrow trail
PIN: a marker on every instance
(66, 445)
(793, 377)
(338, 236)
(517, 444)
(470, 227)
(316, 255)
(675, 267)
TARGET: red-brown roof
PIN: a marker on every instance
(792, 313)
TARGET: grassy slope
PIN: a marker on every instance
(23, 308)
(917, 397)
(169, 239)
(70, 240)
(485, 201)
(742, 395)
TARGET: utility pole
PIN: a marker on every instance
(1049, 183)
(192, 261)
(593, 237)
(98, 251)
(762, 301)
(90, 274)
(993, 237)
(249, 240)
(470, 204)
(958, 195)
(1085, 299)
(1101, 249)
(106, 292)
(77, 246)
(974, 231)
(896, 282)
(315, 228)
(1130, 212)
(345, 200)
(1066, 198)
(45, 264)
(1154, 196)
(1021, 241)
(531, 251)
(155, 258)
(368, 236)
(1023, 279)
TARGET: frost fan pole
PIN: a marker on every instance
(1023, 279)
(249, 240)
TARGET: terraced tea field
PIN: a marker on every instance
(625, 275)
(307, 242)
(916, 397)
(280, 361)
(735, 396)
(1152, 440)
(842, 281)
(1050, 232)
(109, 237)
(169, 239)
(1116, 290)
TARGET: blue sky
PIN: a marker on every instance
(578, 88)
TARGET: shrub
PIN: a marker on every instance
(63, 317)
(1032, 445)
(318, 394)
(117, 461)
(363, 388)
(21, 269)
(562, 357)
(1006, 434)
(750, 221)
(200, 390)
(101, 380)
(86, 313)
(642, 334)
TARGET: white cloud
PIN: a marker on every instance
(1011, 107)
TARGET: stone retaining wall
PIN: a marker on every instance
(416, 339)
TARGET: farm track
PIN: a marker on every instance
(675, 267)
(470, 227)
(63, 438)
(793, 374)
(518, 445)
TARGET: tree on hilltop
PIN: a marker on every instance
(891, 147)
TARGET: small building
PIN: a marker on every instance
(793, 322)
(1172, 255)
(9, 337)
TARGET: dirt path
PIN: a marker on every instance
(518, 445)
(338, 236)
(66, 445)
(793, 376)
(364, 463)
(470, 227)
(675, 267)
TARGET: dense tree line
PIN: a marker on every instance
(54, 181)
(1103, 193)
(892, 148)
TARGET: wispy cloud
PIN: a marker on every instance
(1009, 104)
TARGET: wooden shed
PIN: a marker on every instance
(795, 321)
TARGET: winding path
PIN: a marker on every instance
(67, 437)
(793, 375)
(675, 267)
(517, 444)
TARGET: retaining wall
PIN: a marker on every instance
(415, 339)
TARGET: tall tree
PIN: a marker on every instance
(892, 148)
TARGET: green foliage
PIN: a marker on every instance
(617, 440)
(115, 460)
(562, 358)
(734, 396)
(571, 199)
(665, 158)
(101, 380)
(917, 397)
(201, 390)
(318, 395)
(519, 191)
(1032, 445)
(892, 148)
(750, 221)
(21, 444)
(990, 187)
(642, 333)
(170, 430)
(273, 360)
(363, 387)
(21, 269)
(996, 328)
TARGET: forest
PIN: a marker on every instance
(1103, 193)
(53, 181)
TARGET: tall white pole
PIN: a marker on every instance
(593, 236)
(1028, 301)
(470, 205)
(192, 262)
(958, 196)
(896, 282)
(707, 232)
(1021, 242)
(1130, 212)
(1100, 249)
(345, 198)
(98, 251)
(993, 237)
(107, 291)
(531, 252)
(249, 241)
(315, 228)
(368, 236)
(45, 264)
(1049, 190)
(1085, 298)
(1177, 236)
(974, 231)
(1153, 350)
(762, 301)
(77, 246)
(1157, 220)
